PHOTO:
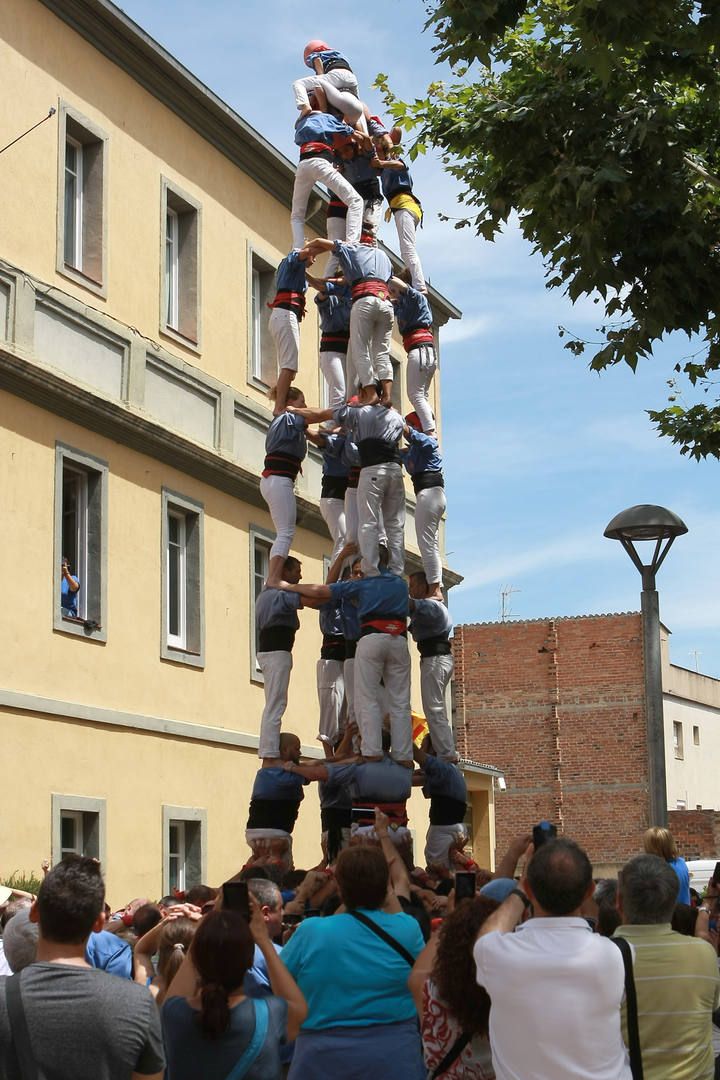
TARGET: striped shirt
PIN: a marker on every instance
(677, 985)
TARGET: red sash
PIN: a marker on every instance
(374, 287)
(294, 301)
(396, 627)
(422, 336)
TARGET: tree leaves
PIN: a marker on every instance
(595, 121)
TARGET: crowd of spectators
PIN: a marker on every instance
(368, 968)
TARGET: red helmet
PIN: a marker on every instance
(313, 47)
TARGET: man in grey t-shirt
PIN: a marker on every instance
(82, 1023)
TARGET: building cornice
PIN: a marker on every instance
(43, 387)
(125, 43)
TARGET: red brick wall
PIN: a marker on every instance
(696, 833)
(558, 705)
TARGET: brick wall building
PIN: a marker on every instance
(558, 704)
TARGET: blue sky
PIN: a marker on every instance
(540, 452)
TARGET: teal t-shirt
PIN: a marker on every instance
(350, 977)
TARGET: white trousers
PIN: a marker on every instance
(439, 840)
(351, 515)
(371, 323)
(430, 506)
(331, 692)
(381, 503)
(279, 493)
(421, 365)
(341, 90)
(285, 331)
(349, 681)
(319, 171)
(406, 224)
(435, 674)
(274, 842)
(333, 369)
(335, 229)
(276, 667)
(333, 513)
(372, 215)
(383, 656)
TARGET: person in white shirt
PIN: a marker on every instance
(556, 988)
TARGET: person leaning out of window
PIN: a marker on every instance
(69, 589)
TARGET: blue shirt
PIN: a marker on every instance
(350, 978)
(257, 981)
(680, 867)
(396, 182)
(385, 595)
(109, 953)
(331, 621)
(334, 309)
(320, 127)
(334, 456)
(370, 422)
(325, 56)
(380, 781)
(443, 778)
(363, 261)
(350, 619)
(286, 435)
(277, 607)
(412, 310)
(423, 453)
(290, 275)
(277, 783)
(68, 598)
(428, 619)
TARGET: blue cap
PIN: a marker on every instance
(499, 888)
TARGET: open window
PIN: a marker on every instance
(80, 575)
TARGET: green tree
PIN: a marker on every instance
(596, 121)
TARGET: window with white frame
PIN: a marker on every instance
(82, 211)
(80, 542)
(172, 268)
(184, 847)
(73, 202)
(78, 827)
(260, 563)
(177, 856)
(183, 599)
(180, 264)
(263, 362)
(177, 579)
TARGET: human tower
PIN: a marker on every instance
(363, 673)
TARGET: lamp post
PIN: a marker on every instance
(653, 523)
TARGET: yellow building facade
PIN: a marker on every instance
(141, 228)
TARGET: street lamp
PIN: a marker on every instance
(653, 523)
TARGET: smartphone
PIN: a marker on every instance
(362, 815)
(236, 898)
(542, 832)
(465, 884)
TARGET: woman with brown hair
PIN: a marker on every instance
(210, 1028)
(170, 939)
(454, 1011)
(353, 969)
